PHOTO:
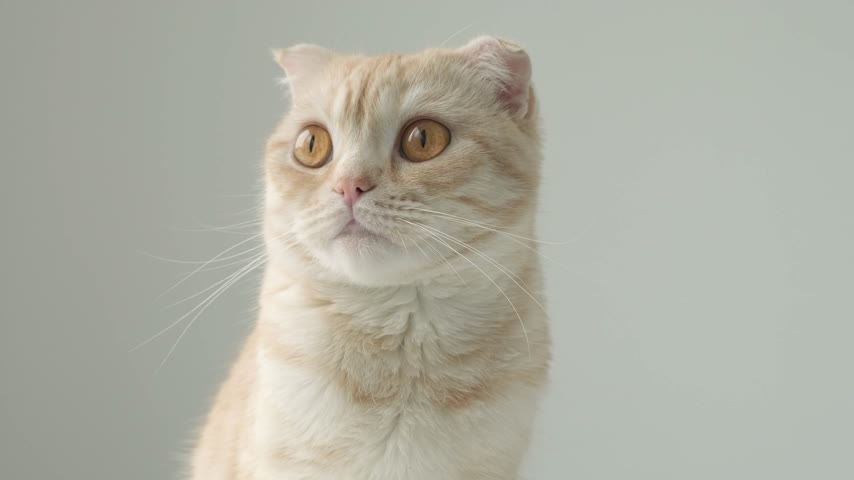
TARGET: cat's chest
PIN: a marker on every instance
(402, 385)
(400, 351)
(390, 336)
(310, 427)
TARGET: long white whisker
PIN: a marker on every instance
(478, 252)
(223, 285)
(218, 258)
(415, 241)
(208, 228)
(229, 264)
(446, 261)
(210, 300)
(403, 241)
(203, 263)
(203, 302)
(487, 226)
(217, 267)
(256, 257)
(240, 195)
(253, 209)
(455, 34)
(494, 262)
(522, 323)
(511, 237)
(171, 260)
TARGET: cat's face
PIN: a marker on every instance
(381, 164)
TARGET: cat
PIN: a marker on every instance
(401, 332)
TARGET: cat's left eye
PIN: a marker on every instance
(423, 140)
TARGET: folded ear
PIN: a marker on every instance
(507, 67)
(301, 63)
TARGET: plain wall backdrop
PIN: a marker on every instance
(698, 163)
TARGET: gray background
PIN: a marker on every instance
(699, 163)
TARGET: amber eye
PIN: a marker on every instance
(313, 146)
(424, 139)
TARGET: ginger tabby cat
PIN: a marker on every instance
(401, 333)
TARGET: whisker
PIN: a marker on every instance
(224, 285)
(230, 231)
(256, 257)
(210, 300)
(447, 262)
(510, 236)
(217, 259)
(494, 262)
(241, 195)
(455, 34)
(415, 241)
(513, 238)
(225, 228)
(521, 322)
(253, 209)
(205, 269)
(487, 226)
(478, 252)
(170, 260)
(403, 241)
(203, 302)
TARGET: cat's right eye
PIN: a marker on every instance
(313, 146)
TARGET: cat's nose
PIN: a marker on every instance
(353, 188)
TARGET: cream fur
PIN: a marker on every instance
(416, 351)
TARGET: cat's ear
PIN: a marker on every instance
(507, 67)
(301, 63)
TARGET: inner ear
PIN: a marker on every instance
(302, 63)
(507, 68)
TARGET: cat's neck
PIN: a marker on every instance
(462, 304)
(380, 342)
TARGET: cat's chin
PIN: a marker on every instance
(369, 259)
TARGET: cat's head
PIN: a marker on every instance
(384, 165)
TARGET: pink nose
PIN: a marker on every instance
(352, 189)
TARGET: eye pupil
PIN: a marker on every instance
(311, 145)
(423, 138)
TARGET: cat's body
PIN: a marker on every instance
(414, 344)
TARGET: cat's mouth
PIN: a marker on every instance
(355, 230)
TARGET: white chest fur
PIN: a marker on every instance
(408, 385)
